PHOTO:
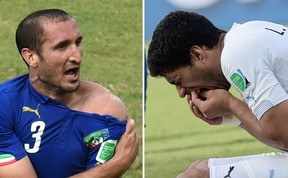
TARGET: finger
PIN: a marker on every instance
(130, 125)
(133, 134)
(194, 95)
(197, 112)
(195, 100)
(133, 140)
(190, 103)
(189, 98)
(215, 121)
(201, 116)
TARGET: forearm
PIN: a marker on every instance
(110, 169)
(248, 120)
(271, 129)
(263, 130)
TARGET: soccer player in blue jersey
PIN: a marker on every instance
(203, 61)
(52, 123)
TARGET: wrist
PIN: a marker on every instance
(238, 107)
(231, 104)
(121, 164)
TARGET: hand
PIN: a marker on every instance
(210, 105)
(128, 146)
(126, 152)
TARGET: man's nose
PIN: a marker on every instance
(181, 91)
(76, 54)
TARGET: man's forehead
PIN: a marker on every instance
(60, 29)
(49, 25)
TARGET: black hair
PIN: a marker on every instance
(173, 37)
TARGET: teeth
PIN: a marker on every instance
(71, 72)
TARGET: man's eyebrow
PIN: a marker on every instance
(62, 43)
(66, 42)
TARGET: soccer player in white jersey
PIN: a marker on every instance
(203, 61)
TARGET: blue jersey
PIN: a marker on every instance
(60, 142)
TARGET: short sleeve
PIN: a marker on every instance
(107, 139)
(251, 73)
(11, 148)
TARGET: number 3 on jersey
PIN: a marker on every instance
(37, 128)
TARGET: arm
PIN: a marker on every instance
(126, 152)
(271, 129)
(105, 103)
(14, 161)
(20, 169)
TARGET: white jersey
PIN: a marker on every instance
(255, 61)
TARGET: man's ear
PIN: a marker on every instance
(197, 53)
(30, 57)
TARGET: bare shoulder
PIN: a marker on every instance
(100, 100)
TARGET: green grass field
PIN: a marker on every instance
(112, 46)
(174, 138)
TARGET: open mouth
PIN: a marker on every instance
(72, 73)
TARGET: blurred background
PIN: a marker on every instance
(221, 13)
(174, 138)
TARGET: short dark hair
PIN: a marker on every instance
(29, 33)
(173, 37)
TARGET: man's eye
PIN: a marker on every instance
(78, 42)
(179, 83)
(62, 45)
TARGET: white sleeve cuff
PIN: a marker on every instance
(230, 119)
